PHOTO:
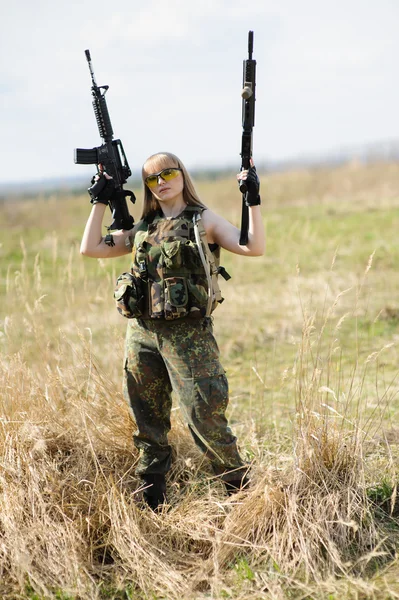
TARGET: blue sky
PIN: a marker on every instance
(327, 77)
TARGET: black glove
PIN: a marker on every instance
(101, 190)
(252, 182)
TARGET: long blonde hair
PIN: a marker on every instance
(157, 162)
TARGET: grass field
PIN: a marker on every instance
(308, 335)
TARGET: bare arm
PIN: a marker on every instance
(93, 243)
(222, 232)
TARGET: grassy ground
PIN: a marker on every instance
(308, 336)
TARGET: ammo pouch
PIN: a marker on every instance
(128, 294)
(183, 297)
(175, 298)
(185, 290)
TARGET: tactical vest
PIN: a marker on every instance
(178, 271)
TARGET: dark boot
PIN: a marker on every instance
(236, 485)
(155, 493)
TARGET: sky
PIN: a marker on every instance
(327, 78)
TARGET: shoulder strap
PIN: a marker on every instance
(211, 271)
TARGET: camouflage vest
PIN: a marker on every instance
(169, 261)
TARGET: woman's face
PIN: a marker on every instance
(169, 182)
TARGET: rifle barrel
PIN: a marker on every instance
(250, 44)
(88, 57)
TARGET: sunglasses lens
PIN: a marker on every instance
(166, 175)
(151, 181)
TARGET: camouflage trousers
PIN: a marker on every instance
(180, 356)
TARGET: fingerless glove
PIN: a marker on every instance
(252, 182)
(101, 190)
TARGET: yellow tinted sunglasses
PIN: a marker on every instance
(166, 174)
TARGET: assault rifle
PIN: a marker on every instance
(110, 155)
(248, 122)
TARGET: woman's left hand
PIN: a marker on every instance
(251, 179)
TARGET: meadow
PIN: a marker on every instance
(308, 335)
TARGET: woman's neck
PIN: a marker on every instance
(171, 211)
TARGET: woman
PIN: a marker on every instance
(170, 294)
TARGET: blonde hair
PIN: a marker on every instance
(157, 162)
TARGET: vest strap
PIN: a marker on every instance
(214, 293)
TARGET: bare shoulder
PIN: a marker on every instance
(208, 216)
(210, 220)
(220, 231)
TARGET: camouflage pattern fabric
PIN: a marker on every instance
(182, 356)
(166, 257)
(128, 295)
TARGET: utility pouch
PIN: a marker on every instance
(172, 255)
(198, 293)
(176, 298)
(128, 295)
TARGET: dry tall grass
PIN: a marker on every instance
(320, 517)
